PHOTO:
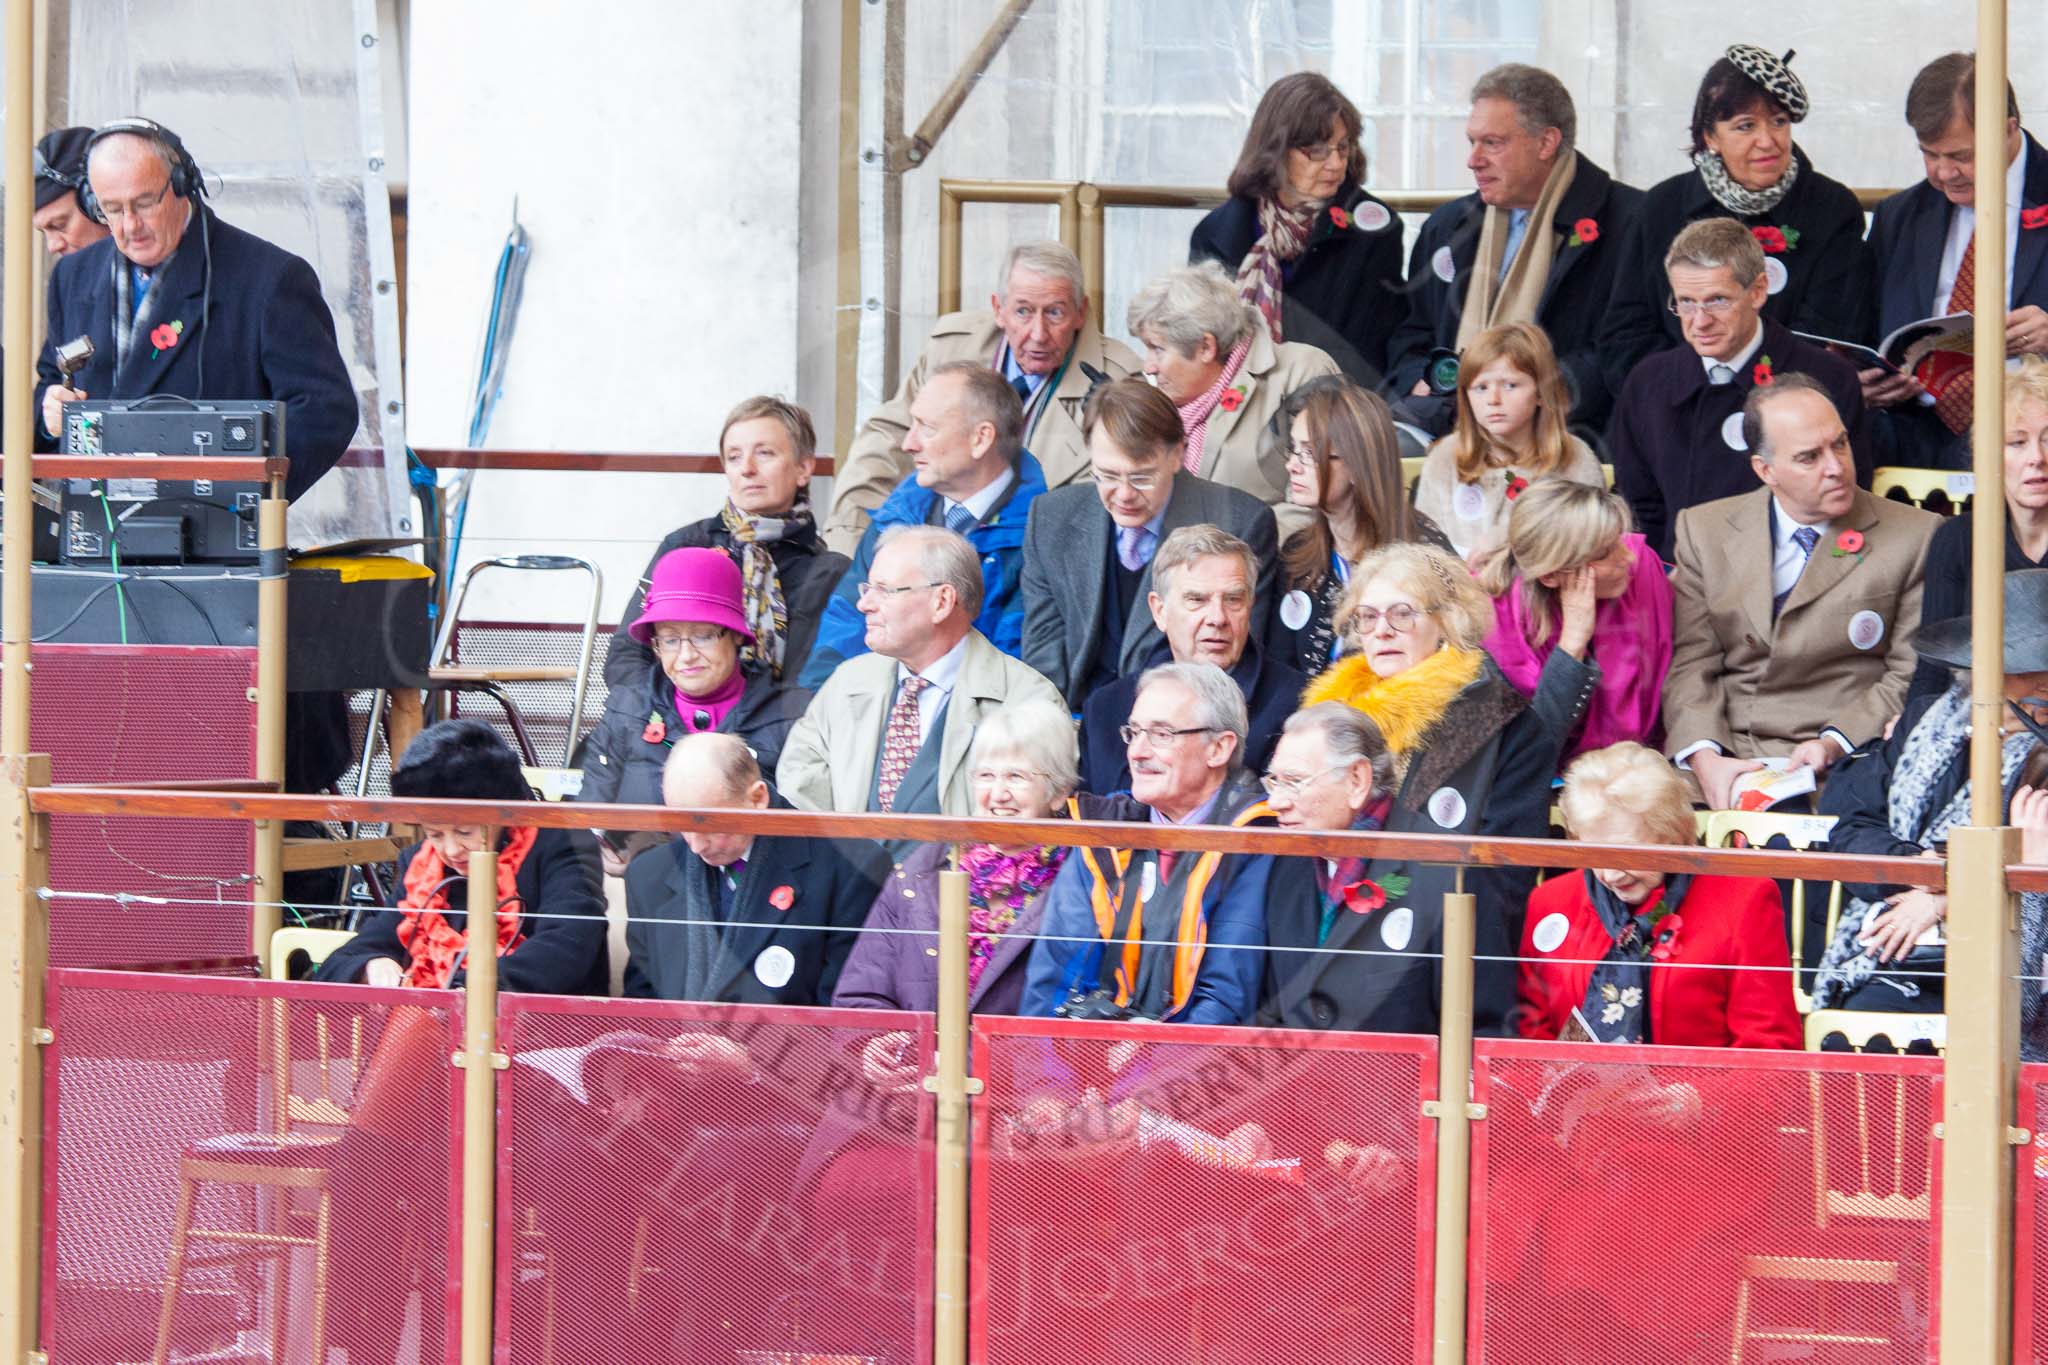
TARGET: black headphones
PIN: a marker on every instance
(186, 181)
(45, 171)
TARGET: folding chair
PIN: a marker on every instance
(1934, 490)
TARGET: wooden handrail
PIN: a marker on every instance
(582, 461)
(1425, 848)
(219, 468)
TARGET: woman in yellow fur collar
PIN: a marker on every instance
(1471, 755)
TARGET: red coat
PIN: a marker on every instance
(1726, 922)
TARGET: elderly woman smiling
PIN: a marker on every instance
(1211, 353)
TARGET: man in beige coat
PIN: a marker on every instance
(1211, 353)
(1795, 605)
(891, 729)
(1037, 334)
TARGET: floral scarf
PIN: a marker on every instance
(1738, 200)
(1283, 236)
(424, 931)
(1194, 416)
(1617, 1004)
(767, 612)
(1000, 883)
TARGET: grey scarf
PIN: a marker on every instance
(1943, 732)
(131, 321)
(1743, 203)
(705, 961)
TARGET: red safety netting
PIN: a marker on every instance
(1229, 1195)
(2030, 1223)
(146, 713)
(1681, 1204)
(188, 1113)
(696, 1183)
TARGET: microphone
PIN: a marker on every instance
(73, 356)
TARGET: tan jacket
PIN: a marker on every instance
(828, 761)
(1759, 688)
(875, 463)
(1230, 450)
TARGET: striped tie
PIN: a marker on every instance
(959, 519)
(1957, 400)
(1805, 537)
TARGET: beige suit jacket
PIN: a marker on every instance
(875, 463)
(828, 762)
(1759, 687)
(1231, 454)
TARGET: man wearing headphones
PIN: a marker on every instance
(60, 193)
(178, 302)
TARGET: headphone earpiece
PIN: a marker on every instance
(186, 180)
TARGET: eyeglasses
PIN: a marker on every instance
(1716, 307)
(145, 203)
(1400, 619)
(1137, 483)
(698, 640)
(1007, 779)
(1300, 457)
(1291, 787)
(1321, 151)
(1160, 736)
(884, 590)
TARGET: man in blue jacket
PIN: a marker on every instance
(178, 302)
(971, 474)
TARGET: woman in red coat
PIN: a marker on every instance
(1636, 953)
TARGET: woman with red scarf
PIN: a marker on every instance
(551, 926)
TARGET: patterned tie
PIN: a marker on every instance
(1956, 401)
(959, 518)
(1805, 537)
(1134, 546)
(900, 742)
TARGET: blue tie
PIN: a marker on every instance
(1805, 537)
(1022, 384)
(959, 519)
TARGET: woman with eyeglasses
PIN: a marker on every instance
(1317, 255)
(1901, 799)
(1746, 166)
(1344, 466)
(694, 623)
(1468, 754)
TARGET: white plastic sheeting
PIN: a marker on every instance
(279, 102)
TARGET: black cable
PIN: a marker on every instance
(194, 602)
(72, 619)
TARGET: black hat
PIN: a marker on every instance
(460, 760)
(1774, 74)
(2026, 628)
(60, 165)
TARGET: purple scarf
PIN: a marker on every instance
(713, 704)
(1000, 883)
(1631, 643)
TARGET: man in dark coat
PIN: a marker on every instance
(1677, 436)
(1201, 600)
(1089, 549)
(738, 918)
(1521, 130)
(1920, 237)
(178, 302)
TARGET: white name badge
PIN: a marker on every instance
(775, 966)
(1371, 217)
(1549, 933)
(1731, 432)
(1397, 926)
(1447, 807)
(1440, 264)
(1866, 629)
(1468, 503)
(1774, 274)
(1294, 609)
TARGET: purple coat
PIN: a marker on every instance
(897, 970)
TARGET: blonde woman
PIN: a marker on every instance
(1512, 408)
(1574, 579)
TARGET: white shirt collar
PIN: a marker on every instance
(1784, 524)
(1740, 358)
(941, 674)
(979, 503)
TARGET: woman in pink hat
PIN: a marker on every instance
(693, 620)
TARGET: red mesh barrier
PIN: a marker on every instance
(217, 1109)
(1123, 1211)
(146, 713)
(667, 1197)
(2030, 1223)
(1679, 1204)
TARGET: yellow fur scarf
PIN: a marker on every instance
(1405, 705)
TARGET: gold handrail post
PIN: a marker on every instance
(949, 1280)
(949, 247)
(267, 914)
(1454, 1127)
(480, 1062)
(1089, 247)
(1979, 1083)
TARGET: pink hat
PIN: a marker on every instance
(695, 584)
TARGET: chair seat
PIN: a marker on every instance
(270, 1149)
